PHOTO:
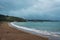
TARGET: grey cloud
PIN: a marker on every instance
(31, 9)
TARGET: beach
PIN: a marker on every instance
(10, 33)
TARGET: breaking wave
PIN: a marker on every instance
(35, 31)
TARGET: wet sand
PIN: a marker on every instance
(8, 33)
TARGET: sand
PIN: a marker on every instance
(8, 33)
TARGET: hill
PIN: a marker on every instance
(11, 18)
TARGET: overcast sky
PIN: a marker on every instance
(31, 9)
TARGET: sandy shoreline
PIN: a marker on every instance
(8, 33)
(50, 35)
(28, 30)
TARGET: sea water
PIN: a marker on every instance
(46, 28)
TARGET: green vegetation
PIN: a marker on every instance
(11, 19)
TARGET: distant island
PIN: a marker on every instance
(11, 18)
(44, 20)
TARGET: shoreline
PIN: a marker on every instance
(51, 36)
(29, 30)
(9, 33)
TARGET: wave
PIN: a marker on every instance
(35, 31)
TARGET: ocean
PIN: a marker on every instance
(45, 28)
